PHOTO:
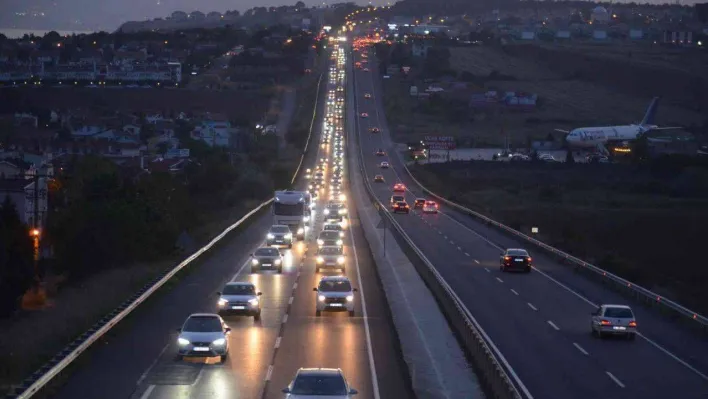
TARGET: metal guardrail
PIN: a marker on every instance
(33, 384)
(637, 290)
(500, 379)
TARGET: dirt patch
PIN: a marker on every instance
(636, 223)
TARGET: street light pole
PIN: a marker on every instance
(36, 297)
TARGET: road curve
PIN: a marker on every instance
(539, 321)
(138, 360)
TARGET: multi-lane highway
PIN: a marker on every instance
(139, 359)
(539, 321)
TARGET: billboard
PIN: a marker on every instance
(440, 142)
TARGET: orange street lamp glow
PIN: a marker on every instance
(34, 232)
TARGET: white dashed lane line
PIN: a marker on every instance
(615, 379)
(500, 280)
(550, 323)
(580, 348)
(466, 254)
(531, 306)
(514, 291)
(476, 261)
(277, 342)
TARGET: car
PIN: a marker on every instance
(329, 383)
(380, 153)
(333, 227)
(418, 203)
(334, 210)
(401, 206)
(203, 335)
(364, 115)
(329, 238)
(266, 258)
(399, 187)
(384, 165)
(613, 320)
(367, 95)
(430, 207)
(379, 179)
(396, 198)
(330, 256)
(375, 130)
(334, 293)
(240, 298)
(515, 259)
(279, 235)
(366, 69)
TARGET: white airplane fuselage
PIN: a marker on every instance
(591, 137)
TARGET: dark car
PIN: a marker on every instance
(267, 258)
(515, 259)
(418, 203)
(375, 130)
(401, 207)
(396, 198)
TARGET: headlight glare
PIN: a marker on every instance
(253, 301)
(219, 342)
(340, 260)
(182, 341)
(350, 298)
(270, 236)
(321, 298)
(254, 262)
(222, 301)
(278, 261)
(340, 242)
(320, 259)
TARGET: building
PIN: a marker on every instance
(23, 193)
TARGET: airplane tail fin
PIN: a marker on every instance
(651, 112)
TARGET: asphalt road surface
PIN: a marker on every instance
(139, 361)
(540, 321)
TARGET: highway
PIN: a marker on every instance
(539, 321)
(139, 360)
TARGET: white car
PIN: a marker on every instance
(384, 165)
(330, 257)
(318, 382)
(240, 298)
(334, 293)
(613, 320)
(203, 334)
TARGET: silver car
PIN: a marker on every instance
(613, 320)
(319, 383)
(330, 257)
(335, 293)
(267, 258)
(203, 334)
(240, 298)
(334, 227)
(279, 235)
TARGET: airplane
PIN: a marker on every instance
(597, 137)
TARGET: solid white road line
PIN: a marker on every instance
(553, 325)
(531, 306)
(580, 348)
(147, 392)
(615, 379)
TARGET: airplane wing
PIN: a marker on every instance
(562, 131)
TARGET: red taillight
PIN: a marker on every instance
(605, 322)
(528, 259)
(507, 258)
(632, 323)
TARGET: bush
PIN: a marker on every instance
(15, 258)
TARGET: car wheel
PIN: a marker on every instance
(223, 357)
(351, 313)
(254, 270)
(318, 313)
(344, 270)
(280, 270)
(290, 245)
(257, 316)
(317, 269)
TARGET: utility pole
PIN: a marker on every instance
(36, 297)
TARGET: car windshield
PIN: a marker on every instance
(329, 235)
(401, 203)
(335, 286)
(398, 198)
(202, 324)
(330, 251)
(267, 252)
(239, 289)
(319, 385)
(620, 313)
(332, 227)
(280, 229)
(420, 200)
(517, 252)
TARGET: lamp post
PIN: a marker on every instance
(36, 297)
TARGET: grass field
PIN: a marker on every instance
(633, 222)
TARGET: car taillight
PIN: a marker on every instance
(507, 258)
(632, 323)
(528, 259)
(605, 322)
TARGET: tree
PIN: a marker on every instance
(299, 5)
(15, 258)
(569, 159)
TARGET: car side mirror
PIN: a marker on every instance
(314, 289)
(259, 294)
(227, 329)
(286, 390)
(355, 289)
(353, 391)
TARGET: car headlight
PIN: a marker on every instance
(305, 219)
(342, 211)
(182, 342)
(301, 230)
(341, 234)
(254, 262)
(219, 342)
(253, 301)
(350, 298)
(320, 242)
(340, 260)
(288, 236)
(320, 259)
(278, 261)
(321, 298)
(326, 211)
(222, 301)
(270, 236)
(342, 197)
(340, 242)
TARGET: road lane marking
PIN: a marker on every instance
(285, 318)
(295, 286)
(580, 348)
(277, 342)
(476, 261)
(515, 293)
(553, 325)
(290, 301)
(459, 249)
(531, 306)
(466, 254)
(486, 270)
(269, 373)
(500, 280)
(147, 392)
(615, 379)
(154, 362)
(445, 237)
(199, 377)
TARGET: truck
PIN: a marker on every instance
(292, 208)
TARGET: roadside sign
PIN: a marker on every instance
(440, 142)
